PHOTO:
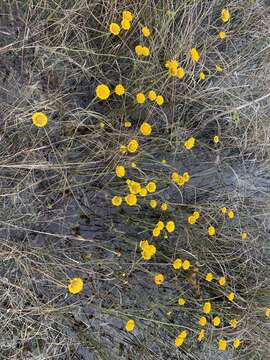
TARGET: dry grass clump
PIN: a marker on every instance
(134, 180)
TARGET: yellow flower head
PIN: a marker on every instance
(201, 335)
(181, 301)
(127, 124)
(225, 15)
(202, 76)
(159, 100)
(186, 178)
(146, 31)
(160, 225)
(39, 119)
(164, 207)
(130, 325)
(223, 210)
(216, 139)
(132, 146)
(133, 165)
(117, 200)
(148, 251)
(140, 98)
(127, 15)
(216, 321)
(202, 321)
(146, 129)
(231, 214)
(196, 214)
(75, 285)
(222, 35)
(207, 307)
(209, 277)
(186, 264)
(170, 226)
(244, 235)
(122, 149)
(195, 56)
(144, 244)
(156, 232)
(102, 91)
(145, 51)
(172, 64)
(119, 90)
(139, 50)
(134, 187)
(267, 312)
(233, 323)
(219, 68)
(191, 219)
(175, 176)
(114, 28)
(180, 72)
(222, 344)
(143, 192)
(153, 203)
(222, 281)
(152, 95)
(125, 24)
(120, 171)
(159, 279)
(179, 341)
(211, 231)
(151, 186)
(236, 343)
(131, 199)
(189, 143)
(177, 264)
(231, 296)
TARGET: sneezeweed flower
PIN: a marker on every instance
(219, 68)
(222, 344)
(127, 124)
(202, 321)
(174, 176)
(127, 15)
(146, 129)
(233, 323)
(201, 335)
(120, 171)
(181, 301)
(196, 214)
(140, 98)
(225, 15)
(125, 24)
(172, 64)
(181, 338)
(180, 72)
(145, 51)
(160, 225)
(75, 285)
(143, 244)
(143, 192)
(209, 277)
(139, 50)
(231, 296)
(186, 264)
(131, 199)
(170, 226)
(153, 203)
(216, 321)
(207, 307)
(189, 143)
(222, 35)
(114, 28)
(130, 325)
(191, 219)
(222, 281)
(117, 200)
(134, 187)
(152, 95)
(148, 251)
(223, 210)
(186, 176)
(159, 100)
(102, 91)
(267, 312)
(216, 139)
(236, 343)
(211, 231)
(244, 235)
(39, 119)
(159, 279)
(151, 186)
(122, 149)
(119, 90)
(132, 146)
(146, 31)
(202, 76)
(195, 56)
(177, 264)
(230, 214)
(156, 232)
(164, 207)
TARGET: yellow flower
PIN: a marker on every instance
(145, 51)
(131, 199)
(183, 334)
(225, 15)
(164, 207)
(139, 50)
(148, 251)
(120, 171)
(39, 119)
(130, 325)
(177, 264)
(156, 232)
(222, 344)
(222, 35)
(216, 139)
(127, 15)
(170, 226)
(117, 200)
(267, 312)
(119, 90)
(102, 91)
(236, 343)
(180, 72)
(170, 64)
(233, 323)
(175, 176)
(219, 68)
(201, 335)
(159, 279)
(146, 31)
(127, 124)
(196, 214)
(195, 56)
(132, 146)
(222, 281)
(144, 244)
(134, 187)
(202, 75)
(152, 95)
(223, 210)
(146, 129)
(211, 231)
(114, 28)
(140, 98)
(173, 71)
(179, 341)
(244, 235)
(75, 285)
(231, 296)
(231, 214)
(160, 225)
(159, 100)
(186, 264)
(207, 307)
(202, 321)
(133, 165)
(186, 176)
(209, 277)
(181, 301)
(153, 203)
(191, 219)
(189, 143)
(151, 186)
(216, 321)
(123, 149)
(125, 24)
(143, 192)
